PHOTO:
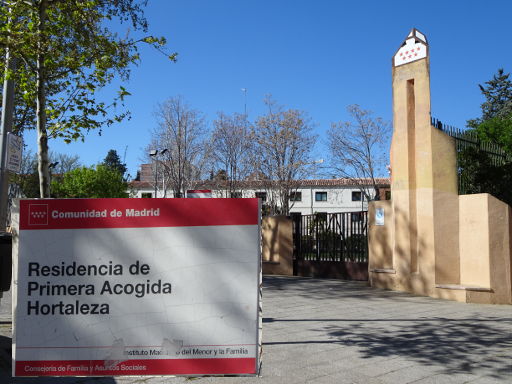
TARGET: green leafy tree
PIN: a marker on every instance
(495, 124)
(482, 175)
(498, 99)
(479, 170)
(24, 114)
(90, 182)
(497, 130)
(66, 53)
(113, 162)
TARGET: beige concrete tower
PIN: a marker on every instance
(415, 181)
(416, 248)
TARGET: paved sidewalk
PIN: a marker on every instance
(331, 331)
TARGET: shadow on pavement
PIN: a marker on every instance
(319, 289)
(459, 345)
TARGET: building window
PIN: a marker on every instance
(146, 194)
(261, 195)
(357, 196)
(388, 195)
(320, 196)
(236, 195)
(295, 196)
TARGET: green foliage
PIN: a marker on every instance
(80, 56)
(93, 182)
(318, 223)
(482, 170)
(113, 162)
(27, 184)
(66, 53)
(481, 174)
(497, 130)
(24, 114)
(355, 247)
(498, 98)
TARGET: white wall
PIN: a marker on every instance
(339, 199)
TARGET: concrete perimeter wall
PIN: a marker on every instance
(481, 270)
(277, 245)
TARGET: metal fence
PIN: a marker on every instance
(338, 237)
(468, 139)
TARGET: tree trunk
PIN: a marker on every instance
(42, 136)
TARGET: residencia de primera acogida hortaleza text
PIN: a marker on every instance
(36, 289)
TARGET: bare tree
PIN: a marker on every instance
(64, 163)
(283, 142)
(230, 150)
(181, 132)
(359, 149)
(26, 183)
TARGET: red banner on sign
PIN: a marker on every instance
(235, 366)
(136, 213)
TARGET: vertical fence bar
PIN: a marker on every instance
(317, 240)
(297, 241)
(338, 237)
(343, 237)
(307, 230)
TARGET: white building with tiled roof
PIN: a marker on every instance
(311, 196)
(333, 195)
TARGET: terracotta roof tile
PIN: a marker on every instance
(256, 184)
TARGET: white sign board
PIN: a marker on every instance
(14, 150)
(199, 193)
(136, 287)
(379, 216)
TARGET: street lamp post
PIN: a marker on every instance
(154, 156)
(50, 167)
(153, 153)
(164, 186)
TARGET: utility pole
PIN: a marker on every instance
(5, 128)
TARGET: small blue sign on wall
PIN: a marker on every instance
(379, 216)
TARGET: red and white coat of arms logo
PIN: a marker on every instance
(38, 214)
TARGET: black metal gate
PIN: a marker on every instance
(331, 245)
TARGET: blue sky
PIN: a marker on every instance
(316, 55)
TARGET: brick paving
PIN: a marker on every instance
(332, 331)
